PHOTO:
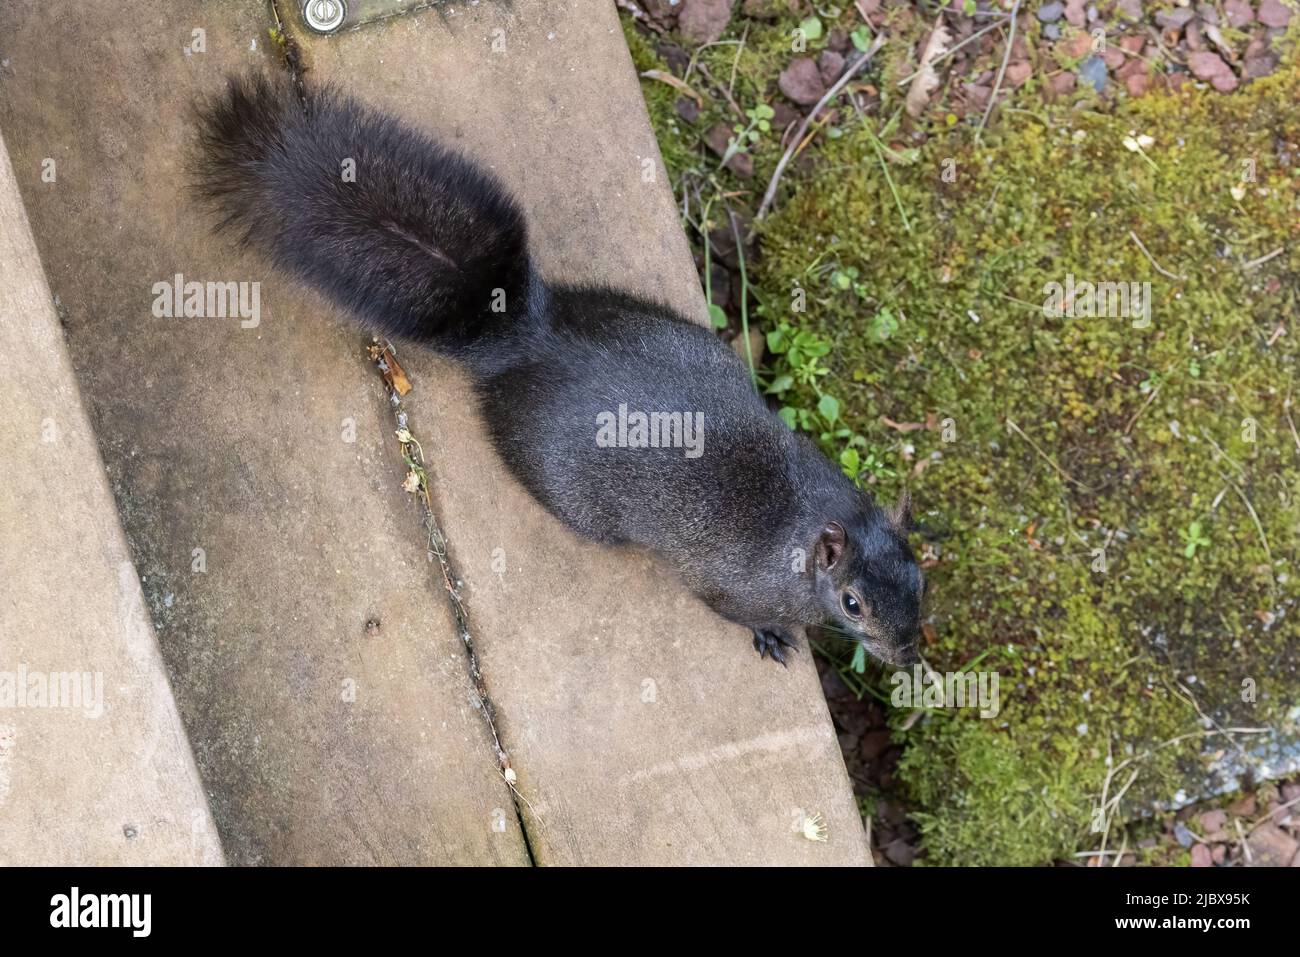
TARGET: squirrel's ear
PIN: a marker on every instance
(900, 516)
(830, 546)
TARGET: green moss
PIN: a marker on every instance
(1078, 434)
(1055, 437)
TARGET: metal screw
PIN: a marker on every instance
(324, 16)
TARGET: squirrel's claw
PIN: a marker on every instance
(774, 642)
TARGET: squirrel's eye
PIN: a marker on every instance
(851, 604)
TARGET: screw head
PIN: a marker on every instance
(324, 16)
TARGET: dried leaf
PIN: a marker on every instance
(903, 426)
(675, 82)
(394, 375)
(926, 80)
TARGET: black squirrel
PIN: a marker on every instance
(423, 244)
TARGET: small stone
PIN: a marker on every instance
(1207, 13)
(1174, 19)
(665, 11)
(1052, 31)
(830, 65)
(1213, 820)
(1093, 72)
(1138, 83)
(1260, 66)
(1132, 44)
(1130, 9)
(900, 852)
(785, 115)
(1274, 13)
(703, 21)
(1078, 45)
(718, 138)
(1219, 853)
(1114, 57)
(1075, 12)
(1063, 83)
(1132, 68)
(1270, 846)
(1244, 806)
(1182, 835)
(678, 59)
(977, 94)
(1051, 12)
(838, 40)
(1208, 65)
(1201, 856)
(801, 81)
(891, 812)
(742, 164)
(687, 109)
(1239, 13)
(1018, 73)
(1195, 41)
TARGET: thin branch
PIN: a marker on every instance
(1137, 415)
(726, 94)
(731, 85)
(1263, 259)
(997, 84)
(1152, 259)
(1286, 410)
(1046, 458)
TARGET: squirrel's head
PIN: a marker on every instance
(867, 582)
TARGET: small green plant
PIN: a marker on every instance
(797, 370)
(812, 28)
(884, 324)
(760, 122)
(1193, 537)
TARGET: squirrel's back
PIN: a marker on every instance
(633, 424)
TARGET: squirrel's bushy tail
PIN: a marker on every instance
(414, 239)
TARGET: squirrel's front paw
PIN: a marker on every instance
(774, 641)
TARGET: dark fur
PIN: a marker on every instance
(418, 246)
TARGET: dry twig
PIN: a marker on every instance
(849, 74)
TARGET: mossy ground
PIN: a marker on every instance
(1111, 512)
